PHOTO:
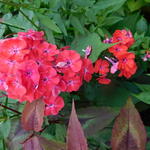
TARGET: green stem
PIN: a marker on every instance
(29, 19)
(4, 146)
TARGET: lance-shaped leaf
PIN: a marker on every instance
(128, 131)
(32, 144)
(32, 117)
(75, 135)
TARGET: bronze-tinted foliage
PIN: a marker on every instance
(51, 145)
(128, 132)
(32, 144)
(96, 118)
(32, 117)
(75, 136)
(40, 143)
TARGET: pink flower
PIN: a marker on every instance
(54, 106)
(87, 51)
(114, 66)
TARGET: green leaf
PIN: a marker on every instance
(141, 25)
(135, 5)
(60, 132)
(37, 3)
(60, 22)
(98, 94)
(56, 4)
(12, 22)
(76, 24)
(104, 4)
(131, 87)
(47, 22)
(144, 95)
(1, 144)
(128, 22)
(15, 24)
(17, 5)
(104, 138)
(49, 36)
(97, 118)
(84, 3)
(92, 39)
(5, 129)
(2, 30)
(111, 20)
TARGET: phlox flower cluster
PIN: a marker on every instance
(31, 69)
(121, 61)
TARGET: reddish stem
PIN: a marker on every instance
(10, 35)
(27, 138)
(43, 129)
(10, 109)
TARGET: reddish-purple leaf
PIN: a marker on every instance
(17, 135)
(75, 135)
(128, 131)
(32, 117)
(32, 144)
